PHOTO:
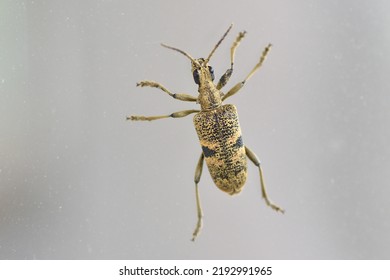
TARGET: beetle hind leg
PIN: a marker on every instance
(252, 156)
(198, 174)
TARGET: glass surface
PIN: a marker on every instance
(78, 181)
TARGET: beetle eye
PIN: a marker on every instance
(196, 76)
(211, 70)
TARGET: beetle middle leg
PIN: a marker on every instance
(180, 114)
(252, 156)
(239, 85)
(198, 174)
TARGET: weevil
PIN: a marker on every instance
(217, 126)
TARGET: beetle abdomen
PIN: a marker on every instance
(224, 151)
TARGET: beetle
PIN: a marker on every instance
(217, 126)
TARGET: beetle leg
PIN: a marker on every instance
(180, 114)
(252, 156)
(178, 96)
(239, 85)
(198, 174)
(225, 77)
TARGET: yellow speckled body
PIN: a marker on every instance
(217, 126)
(220, 137)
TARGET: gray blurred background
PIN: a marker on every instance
(79, 182)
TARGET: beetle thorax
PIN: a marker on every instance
(209, 96)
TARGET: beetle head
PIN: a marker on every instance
(201, 70)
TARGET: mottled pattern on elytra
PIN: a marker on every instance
(220, 137)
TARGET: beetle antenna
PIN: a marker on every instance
(219, 42)
(180, 51)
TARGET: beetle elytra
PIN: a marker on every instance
(217, 126)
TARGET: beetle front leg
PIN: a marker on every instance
(178, 96)
(198, 174)
(239, 85)
(225, 77)
(180, 114)
(252, 156)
